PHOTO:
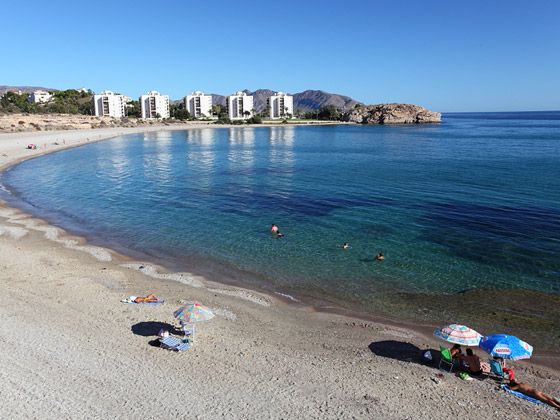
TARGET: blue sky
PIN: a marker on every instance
(446, 55)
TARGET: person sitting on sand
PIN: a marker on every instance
(456, 351)
(535, 393)
(149, 298)
(470, 363)
(380, 257)
(509, 373)
(345, 245)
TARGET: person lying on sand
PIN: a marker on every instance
(149, 298)
(535, 393)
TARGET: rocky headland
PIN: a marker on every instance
(391, 114)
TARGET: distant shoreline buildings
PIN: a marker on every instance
(109, 104)
(239, 106)
(154, 105)
(280, 105)
(198, 104)
(39, 97)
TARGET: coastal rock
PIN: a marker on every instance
(391, 114)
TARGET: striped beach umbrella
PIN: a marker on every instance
(458, 334)
(506, 347)
(193, 312)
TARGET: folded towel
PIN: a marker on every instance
(521, 395)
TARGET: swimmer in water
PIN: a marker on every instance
(276, 231)
(345, 245)
(380, 257)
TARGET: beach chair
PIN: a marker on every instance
(497, 371)
(172, 343)
(445, 358)
(188, 331)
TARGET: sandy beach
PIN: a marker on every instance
(71, 349)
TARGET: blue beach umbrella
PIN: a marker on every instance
(506, 347)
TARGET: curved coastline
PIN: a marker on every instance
(153, 267)
(226, 299)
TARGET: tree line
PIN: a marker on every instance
(69, 101)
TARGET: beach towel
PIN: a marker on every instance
(521, 395)
(131, 299)
(172, 343)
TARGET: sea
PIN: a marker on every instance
(470, 203)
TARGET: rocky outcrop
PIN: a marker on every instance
(391, 114)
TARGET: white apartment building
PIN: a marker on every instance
(39, 96)
(280, 104)
(154, 105)
(109, 104)
(239, 106)
(198, 104)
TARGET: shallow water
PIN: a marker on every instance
(473, 202)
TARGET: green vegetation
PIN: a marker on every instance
(326, 113)
(69, 101)
(179, 112)
(255, 119)
(133, 109)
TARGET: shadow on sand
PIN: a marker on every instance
(405, 352)
(151, 328)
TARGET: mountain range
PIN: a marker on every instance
(308, 100)
(23, 89)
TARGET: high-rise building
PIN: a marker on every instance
(199, 105)
(281, 105)
(239, 106)
(109, 104)
(154, 105)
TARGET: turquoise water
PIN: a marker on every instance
(472, 202)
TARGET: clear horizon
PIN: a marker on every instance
(472, 57)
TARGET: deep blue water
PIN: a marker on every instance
(472, 202)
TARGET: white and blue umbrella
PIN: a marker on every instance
(458, 334)
(506, 347)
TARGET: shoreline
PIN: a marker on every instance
(424, 327)
(150, 276)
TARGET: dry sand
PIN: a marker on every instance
(70, 349)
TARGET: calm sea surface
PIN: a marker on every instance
(473, 202)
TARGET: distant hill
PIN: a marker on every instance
(308, 100)
(311, 100)
(25, 89)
